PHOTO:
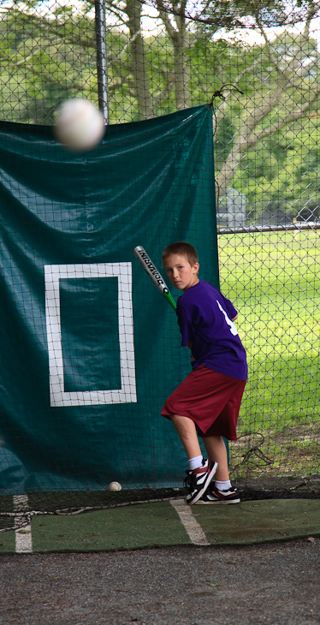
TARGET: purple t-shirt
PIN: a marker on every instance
(205, 319)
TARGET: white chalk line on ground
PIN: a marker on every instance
(190, 524)
(23, 534)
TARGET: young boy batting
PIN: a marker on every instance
(207, 402)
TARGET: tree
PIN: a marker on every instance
(44, 59)
(260, 91)
(292, 94)
(138, 65)
(176, 28)
(264, 89)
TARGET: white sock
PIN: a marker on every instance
(222, 485)
(195, 463)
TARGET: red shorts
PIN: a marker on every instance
(210, 399)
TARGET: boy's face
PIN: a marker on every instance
(180, 273)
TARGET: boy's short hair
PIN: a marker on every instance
(182, 248)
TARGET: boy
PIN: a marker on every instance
(207, 402)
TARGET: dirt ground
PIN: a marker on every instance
(274, 583)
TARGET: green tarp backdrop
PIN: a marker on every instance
(89, 348)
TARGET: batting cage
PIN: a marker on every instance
(211, 137)
(87, 340)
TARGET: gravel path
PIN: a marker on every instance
(270, 584)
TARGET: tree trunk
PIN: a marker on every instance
(178, 37)
(139, 66)
(246, 137)
(181, 69)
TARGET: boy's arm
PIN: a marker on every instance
(185, 325)
(232, 312)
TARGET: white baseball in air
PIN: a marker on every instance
(79, 125)
(114, 486)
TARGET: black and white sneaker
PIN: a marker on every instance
(213, 495)
(198, 480)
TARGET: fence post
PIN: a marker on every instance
(102, 69)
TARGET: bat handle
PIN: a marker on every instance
(170, 299)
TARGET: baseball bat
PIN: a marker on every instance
(153, 273)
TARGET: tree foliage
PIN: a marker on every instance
(265, 95)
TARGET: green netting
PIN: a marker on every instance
(90, 349)
(259, 63)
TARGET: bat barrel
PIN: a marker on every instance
(153, 273)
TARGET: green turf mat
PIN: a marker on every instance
(254, 522)
(158, 524)
(128, 527)
(7, 541)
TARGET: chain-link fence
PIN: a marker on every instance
(258, 62)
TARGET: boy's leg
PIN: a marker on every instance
(186, 430)
(198, 479)
(222, 490)
(217, 452)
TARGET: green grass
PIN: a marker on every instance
(274, 281)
